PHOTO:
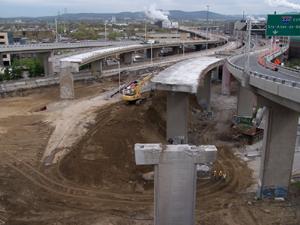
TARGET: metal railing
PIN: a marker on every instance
(270, 78)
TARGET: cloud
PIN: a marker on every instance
(10, 8)
(284, 3)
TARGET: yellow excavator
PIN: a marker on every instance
(136, 91)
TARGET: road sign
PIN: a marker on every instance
(283, 25)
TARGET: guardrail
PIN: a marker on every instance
(276, 53)
(270, 78)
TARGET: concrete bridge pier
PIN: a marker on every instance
(278, 150)
(47, 63)
(204, 92)
(66, 82)
(215, 74)
(177, 117)
(176, 50)
(1, 60)
(246, 103)
(126, 58)
(175, 179)
(97, 68)
(226, 81)
(199, 47)
(155, 53)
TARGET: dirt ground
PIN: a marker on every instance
(98, 183)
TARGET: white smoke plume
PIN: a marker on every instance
(155, 14)
(256, 19)
(284, 3)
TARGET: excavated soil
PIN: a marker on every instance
(106, 152)
(98, 183)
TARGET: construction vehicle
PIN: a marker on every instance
(137, 90)
(248, 127)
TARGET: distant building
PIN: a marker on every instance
(167, 24)
(258, 28)
(164, 36)
(294, 50)
(113, 20)
(5, 39)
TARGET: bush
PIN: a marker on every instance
(14, 72)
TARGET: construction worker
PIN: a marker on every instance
(224, 177)
(220, 175)
(214, 174)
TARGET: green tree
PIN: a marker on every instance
(15, 71)
(113, 35)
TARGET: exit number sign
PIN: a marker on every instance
(283, 25)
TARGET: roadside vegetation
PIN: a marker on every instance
(293, 63)
(19, 67)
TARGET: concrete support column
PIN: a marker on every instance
(97, 68)
(215, 74)
(176, 50)
(175, 179)
(147, 53)
(1, 60)
(226, 81)
(198, 47)
(177, 117)
(278, 150)
(156, 52)
(298, 137)
(47, 63)
(66, 82)
(204, 92)
(126, 58)
(246, 101)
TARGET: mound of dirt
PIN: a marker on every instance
(105, 155)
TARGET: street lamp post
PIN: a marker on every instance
(207, 14)
(56, 30)
(119, 68)
(105, 31)
(151, 53)
(247, 67)
(145, 30)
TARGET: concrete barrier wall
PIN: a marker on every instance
(287, 89)
(11, 86)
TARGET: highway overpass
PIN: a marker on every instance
(279, 92)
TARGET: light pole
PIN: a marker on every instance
(249, 26)
(145, 30)
(105, 32)
(151, 53)
(207, 14)
(56, 30)
(119, 68)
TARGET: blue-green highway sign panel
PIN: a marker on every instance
(283, 25)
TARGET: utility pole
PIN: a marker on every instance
(56, 31)
(249, 28)
(151, 53)
(207, 15)
(56, 27)
(105, 31)
(65, 14)
(145, 30)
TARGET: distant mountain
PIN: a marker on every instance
(199, 15)
(174, 15)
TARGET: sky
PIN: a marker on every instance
(33, 8)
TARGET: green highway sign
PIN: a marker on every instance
(283, 25)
